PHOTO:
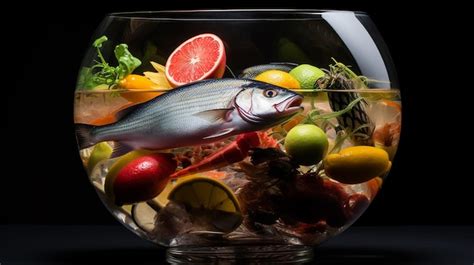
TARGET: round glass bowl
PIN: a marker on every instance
(237, 134)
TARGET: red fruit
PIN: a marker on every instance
(335, 189)
(143, 178)
(198, 58)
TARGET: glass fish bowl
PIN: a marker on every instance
(237, 134)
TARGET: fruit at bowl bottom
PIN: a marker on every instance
(200, 57)
(144, 216)
(357, 164)
(311, 199)
(209, 201)
(138, 176)
(306, 144)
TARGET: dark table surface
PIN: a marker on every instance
(28, 244)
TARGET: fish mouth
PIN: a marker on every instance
(290, 105)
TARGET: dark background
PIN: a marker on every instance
(42, 177)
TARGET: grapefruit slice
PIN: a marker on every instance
(198, 58)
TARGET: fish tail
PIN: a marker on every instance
(84, 135)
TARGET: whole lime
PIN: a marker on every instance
(307, 75)
(306, 144)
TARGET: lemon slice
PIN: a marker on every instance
(161, 200)
(144, 216)
(211, 199)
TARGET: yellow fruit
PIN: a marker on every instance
(144, 216)
(278, 78)
(211, 200)
(138, 83)
(158, 77)
(357, 164)
(100, 152)
(161, 200)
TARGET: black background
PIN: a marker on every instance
(42, 177)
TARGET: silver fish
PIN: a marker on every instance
(253, 71)
(196, 113)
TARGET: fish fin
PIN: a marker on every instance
(120, 149)
(213, 115)
(292, 65)
(220, 133)
(84, 135)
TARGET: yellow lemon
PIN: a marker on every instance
(357, 164)
(136, 85)
(211, 200)
(278, 78)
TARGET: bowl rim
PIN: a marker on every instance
(230, 14)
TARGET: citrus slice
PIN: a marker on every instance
(144, 216)
(158, 77)
(211, 199)
(198, 58)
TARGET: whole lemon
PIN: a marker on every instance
(306, 144)
(357, 164)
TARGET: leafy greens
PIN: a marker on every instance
(101, 73)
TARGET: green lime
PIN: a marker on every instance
(306, 144)
(100, 152)
(307, 75)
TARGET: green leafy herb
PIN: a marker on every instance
(102, 73)
(315, 115)
(127, 63)
(341, 75)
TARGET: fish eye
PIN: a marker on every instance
(270, 93)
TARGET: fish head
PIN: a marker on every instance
(264, 103)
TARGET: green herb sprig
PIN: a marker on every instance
(101, 73)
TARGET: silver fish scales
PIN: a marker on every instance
(196, 113)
